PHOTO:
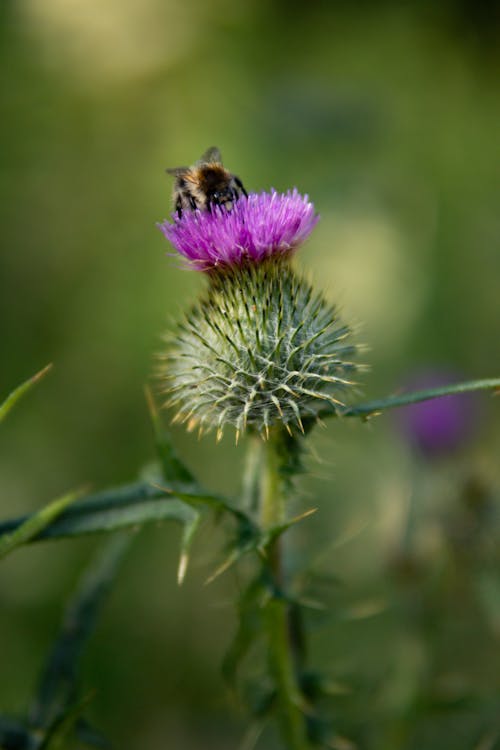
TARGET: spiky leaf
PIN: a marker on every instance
(19, 392)
(35, 524)
(129, 505)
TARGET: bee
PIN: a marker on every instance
(207, 183)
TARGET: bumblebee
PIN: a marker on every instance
(207, 183)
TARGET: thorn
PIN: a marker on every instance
(303, 515)
(191, 424)
(160, 487)
(221, 569)
(41, 373)
(150, 402)
(338, 742)
(312, 604)
(220, 433)
(366, 417)
(277, 405)
(181, 570)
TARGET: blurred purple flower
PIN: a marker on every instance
(441, 425)
(257, 227)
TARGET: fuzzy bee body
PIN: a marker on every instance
(207, 183)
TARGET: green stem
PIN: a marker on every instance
(281, 658)
(252, 474)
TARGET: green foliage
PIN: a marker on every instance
(124, 507)
(33, 526)
(271, 612)
(20, 391)
(373, 408)
(172, 468)
(387, 113)
(57, 707)
(55, 719)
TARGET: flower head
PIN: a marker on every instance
(260, 349)
(256, 228)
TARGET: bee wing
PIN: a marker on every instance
(177, 171)
(211, 156)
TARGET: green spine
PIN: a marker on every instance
(260, 349)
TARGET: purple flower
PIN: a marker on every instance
(257, 227)
(441, 425)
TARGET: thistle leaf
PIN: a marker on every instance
(122, 507)
(249, 626)
(55, 705)
(215, 502)
(173, 469)
(373, 408)
(277, 531)
(13, 734)
(62, 728)
(35, 524)
(90, 736)
(253, 735)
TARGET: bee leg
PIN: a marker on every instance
(210, 202)
(240, 185)
(178, 207)
(192, 203)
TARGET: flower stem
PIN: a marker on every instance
(282, 662)
(252, 474)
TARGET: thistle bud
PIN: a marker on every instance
(261, 348)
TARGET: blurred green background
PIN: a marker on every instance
(387, 114)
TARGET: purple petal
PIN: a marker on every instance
(257, 227)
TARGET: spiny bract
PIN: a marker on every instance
(260, 349)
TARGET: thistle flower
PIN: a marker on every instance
(261, 348)
(257, 227)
